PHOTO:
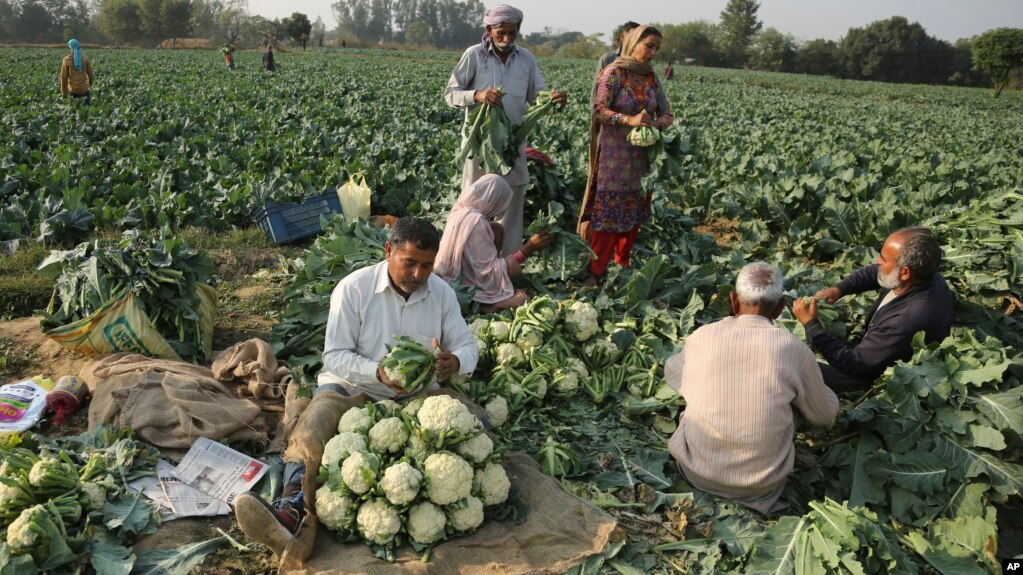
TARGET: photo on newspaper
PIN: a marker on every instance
(218, 470)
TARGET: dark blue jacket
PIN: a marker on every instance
(926, 307)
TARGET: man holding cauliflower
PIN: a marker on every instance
(369, 309)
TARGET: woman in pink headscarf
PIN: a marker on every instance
(469, 247)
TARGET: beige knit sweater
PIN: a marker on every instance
(741, 378)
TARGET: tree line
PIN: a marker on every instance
(892, 50)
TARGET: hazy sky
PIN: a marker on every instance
(804, 19)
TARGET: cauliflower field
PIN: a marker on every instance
(921, 474)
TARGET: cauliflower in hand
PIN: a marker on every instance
(333, 509)
(426, 522)
(401, 483)
(378, 521)
(341, 446)
(449, 478)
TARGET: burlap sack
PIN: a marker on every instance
(96, 370)
(252, 364)
(171, 410)
(561, 530)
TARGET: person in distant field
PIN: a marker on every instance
(669, 71)
(471, 240)
(76, 77)
(268, 58)
(499, 73)
(743, 378)
(628, 95)
(912, 298)
(229, 55)
(368, 308)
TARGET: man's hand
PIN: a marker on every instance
(805, 309)
(446, 364)
(490, 96)
(559, 97)
(830, 295)
(382, 377)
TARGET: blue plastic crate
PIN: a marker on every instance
(286, 223)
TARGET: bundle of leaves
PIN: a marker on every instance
(418, 474)
(65, 505)
(567, 255)
(162, 273)
(492, 140)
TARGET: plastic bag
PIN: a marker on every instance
(121, 325)
(22, 403)
(355, 198)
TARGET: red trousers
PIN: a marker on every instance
(606, 243)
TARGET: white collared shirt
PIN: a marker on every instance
(366, 312)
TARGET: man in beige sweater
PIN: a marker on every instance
(741, 377)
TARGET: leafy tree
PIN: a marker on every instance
(589, 47)
(695, 42)
(34, 22)
(8, 15)
(296, 25)
(319, 30)
(417, 33)
(819, 57)
(205, 22)
(894, 50)
(997, 53)
(739, 23)
(121, 20)
(774, 51)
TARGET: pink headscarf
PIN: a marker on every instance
(487, 198)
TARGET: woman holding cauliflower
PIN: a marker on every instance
(625, 97)
(470, 246)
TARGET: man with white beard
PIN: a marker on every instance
(912, 297)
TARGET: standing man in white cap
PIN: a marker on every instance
(499, 73)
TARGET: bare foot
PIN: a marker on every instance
(591, 281)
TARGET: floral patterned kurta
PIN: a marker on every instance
(619, 203)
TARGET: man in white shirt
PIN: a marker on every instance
(499, 73)
(398, 296)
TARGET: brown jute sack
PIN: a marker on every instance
(560, 530)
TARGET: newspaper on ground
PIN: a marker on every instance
(176, 498)
(218, 470)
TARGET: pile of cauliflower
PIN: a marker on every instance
(418, 474)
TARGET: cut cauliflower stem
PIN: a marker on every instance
(581, 320)
(401, 483)
(333, 509)
(426, 522)
(443, 413)
(477, 449)
(499, 330)
(388, 435)
(378, 521)
(497, 411)
(355, 419)
(510, 354)
(341, 445)
(467, 514)
(449, 478)
(491, 484)
(359, 471)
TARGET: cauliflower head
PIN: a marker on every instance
(387, 406)
(21, 538)
(528, 339)
(416, 448)
(426, 522)
(577, 365)
(491, 484)
(497, 411)
(10, 496)
(510, 354)
(412, 408)
(467, 514)
(401, 483)
(378, 521)
(341, 446)
(566, 381)
(581, 320)
(476, 449)
(97, 496)
(334, 509)
(359, 471)
(442, 413)
(356, 419)
(388, 435)
(500, 330)
(480, 327)
(449, 478)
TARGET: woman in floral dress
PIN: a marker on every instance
(615, 205)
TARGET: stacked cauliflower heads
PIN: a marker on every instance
(416, 474)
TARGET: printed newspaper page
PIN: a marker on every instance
(218, 470)
(176, 498)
